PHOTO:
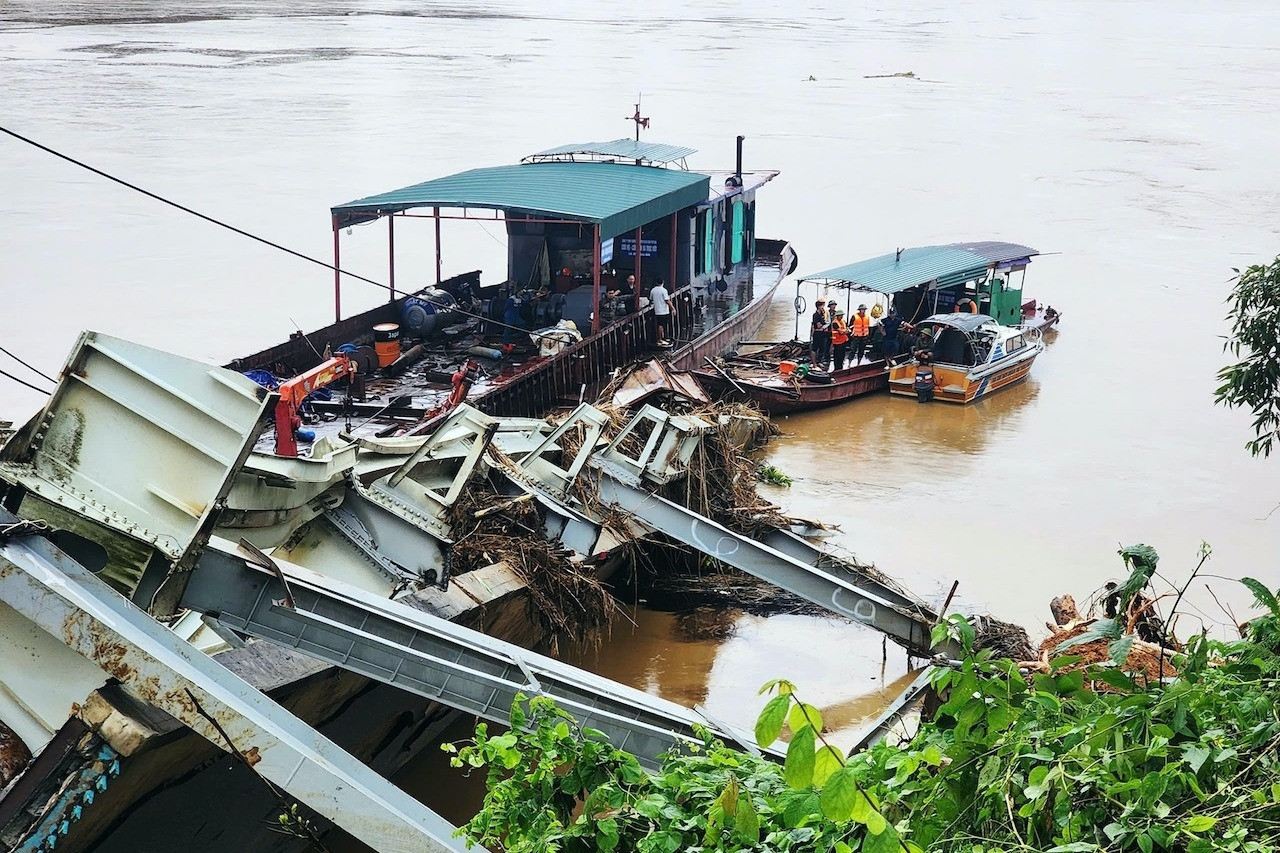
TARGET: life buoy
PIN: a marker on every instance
(800, 304)
(972, 307)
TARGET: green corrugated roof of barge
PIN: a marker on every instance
(620, 198)
(890, 273)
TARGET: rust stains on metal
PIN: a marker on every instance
(14, 754)
(251, 756)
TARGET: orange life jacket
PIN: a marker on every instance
(861, 325)
(839, 331)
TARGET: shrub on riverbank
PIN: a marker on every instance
(1006, 763)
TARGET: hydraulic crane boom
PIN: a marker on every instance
(293, 392)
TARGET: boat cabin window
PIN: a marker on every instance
(1015, 343)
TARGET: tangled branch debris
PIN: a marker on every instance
(1004, 639)
(565, 595)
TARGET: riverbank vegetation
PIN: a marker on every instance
(1087, 755)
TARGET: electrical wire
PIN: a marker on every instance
(28, 367)
(263, 240)
(9, 375)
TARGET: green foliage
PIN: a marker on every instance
(1254, 380)
(773, 475)
(1006, 764)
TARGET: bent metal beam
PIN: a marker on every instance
(67, 601)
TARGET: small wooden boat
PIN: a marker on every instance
(968, 356)
(965, 278)
(777, 380)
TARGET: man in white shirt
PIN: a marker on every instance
(661, 311)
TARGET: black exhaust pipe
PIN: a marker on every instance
(737, 173)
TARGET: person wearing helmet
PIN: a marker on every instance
(860, 326)
(839, 338)
(820, 336)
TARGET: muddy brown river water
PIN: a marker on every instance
(1133, 143)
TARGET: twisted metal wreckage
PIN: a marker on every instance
(139, 527)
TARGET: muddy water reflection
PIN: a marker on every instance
(836, 665)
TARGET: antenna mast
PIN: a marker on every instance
(641, 121)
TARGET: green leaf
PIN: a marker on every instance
(1196, 756)
(876, 824)
(666, 841)
(784, 687)
(1144, 842)
(1119, 649)
(746, 821)
(862, 807)
(1063, 662)
(1069, 682)
(1153, 787)
(932, 755)
(797, 769)
(606, 834)
(1200, 845)
(769, 723)
(1262, 595)
(803, 714)
(1074, 847)
(1036, 787)
(991, 770)
(1114, 677)
(840, 795)
(728, 799)
(1103, 629)
(1201, 823)
(885, 841)
(828, 760)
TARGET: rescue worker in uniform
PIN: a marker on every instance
(861, 329)
(839, 338)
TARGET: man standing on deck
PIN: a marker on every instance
(890, 325)
(820, 336)
(661, 311)
(861, 328)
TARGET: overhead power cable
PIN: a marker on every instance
(34, 370)
(9, 375)
(251, 236)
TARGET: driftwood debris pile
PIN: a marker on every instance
(565, 595)
(1146, 661)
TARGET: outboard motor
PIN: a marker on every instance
(924, 382)
(428, 313)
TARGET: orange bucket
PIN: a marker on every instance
(786, 367)
(386, 342)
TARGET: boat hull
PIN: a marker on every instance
(799, 396)
(957, 385)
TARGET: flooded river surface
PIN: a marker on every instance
(1132, 143)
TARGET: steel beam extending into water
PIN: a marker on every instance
(399, 645)
(834, 591)
(871, 581)
(69, 602)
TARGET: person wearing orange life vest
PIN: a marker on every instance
(839, 338)
(860, 326)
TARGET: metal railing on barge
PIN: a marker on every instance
(562, 378)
